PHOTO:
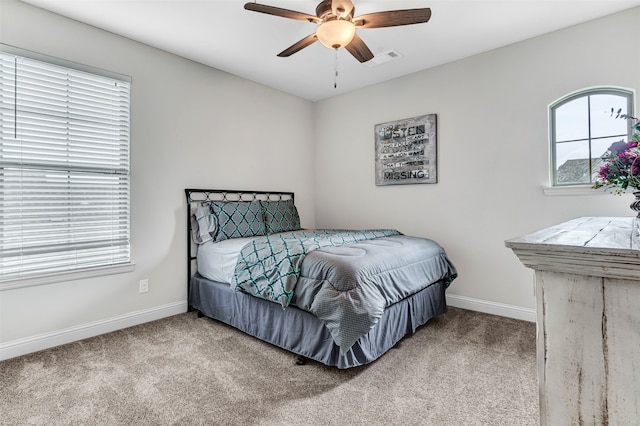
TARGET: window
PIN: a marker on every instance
(582, 129)
(64, 168)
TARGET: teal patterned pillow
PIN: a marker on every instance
(281, 216)
(238, 219)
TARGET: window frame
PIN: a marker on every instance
(580, 188)
(47, 277)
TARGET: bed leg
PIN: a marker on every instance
(300, 360)
(200, 314)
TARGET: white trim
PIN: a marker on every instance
(494, 308)
(593, 89)
(575, 190)
(43, 341)
(68, 276)
(17, 51)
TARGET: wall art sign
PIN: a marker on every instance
(406, 151)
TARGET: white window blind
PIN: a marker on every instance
(64, 169)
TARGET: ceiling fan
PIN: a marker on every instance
(337, 24)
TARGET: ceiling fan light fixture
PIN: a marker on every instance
(337, 25)
(336, 33)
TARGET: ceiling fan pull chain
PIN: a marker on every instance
(335, 62)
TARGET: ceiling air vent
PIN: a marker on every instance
(384, 57)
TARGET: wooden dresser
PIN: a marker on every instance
(587, 275)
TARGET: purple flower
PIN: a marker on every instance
(621, 168)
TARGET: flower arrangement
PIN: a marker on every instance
(621, 168)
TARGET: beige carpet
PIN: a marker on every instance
(462, 368)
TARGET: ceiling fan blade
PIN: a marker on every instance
(393, 18)
(308, 40)
(277, 11)
(359, 49)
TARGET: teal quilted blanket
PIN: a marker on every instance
(269, 267)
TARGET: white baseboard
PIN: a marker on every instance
(510, 311)
(43, 341)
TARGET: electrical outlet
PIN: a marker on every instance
(144, 285)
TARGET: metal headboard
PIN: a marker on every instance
(199, 196)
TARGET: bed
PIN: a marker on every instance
(339, 297)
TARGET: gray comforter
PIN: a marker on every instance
(346, 285)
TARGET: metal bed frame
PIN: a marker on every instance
(197, 196)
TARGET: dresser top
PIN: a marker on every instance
(602, 246)
(591, 232)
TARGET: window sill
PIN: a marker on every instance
(574, 190)
(67, 276)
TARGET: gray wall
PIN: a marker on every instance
(492, 151)
(192, 126)
(212, 129)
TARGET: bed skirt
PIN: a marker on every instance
(304, 334)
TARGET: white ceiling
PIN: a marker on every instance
(223, 35)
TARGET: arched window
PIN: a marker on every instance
(582, 127)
